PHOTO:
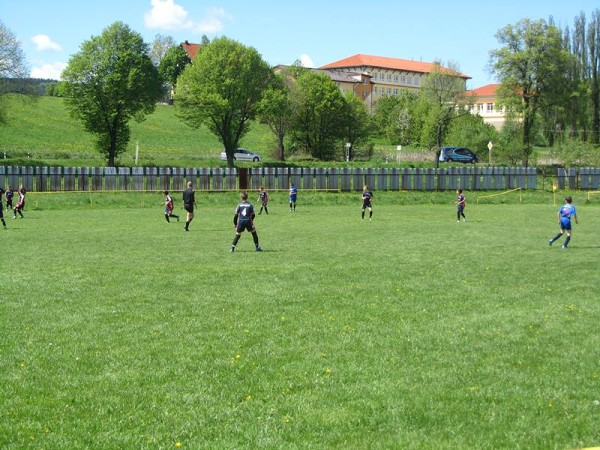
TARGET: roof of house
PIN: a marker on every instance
(489, 90)
(383, 62)
(190, 49)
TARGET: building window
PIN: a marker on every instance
(389, 77)
(480, 107)
(471, 108)
(389, 91)
(403, 79)
(490, 107)
(395, 78)
(409, 80)
(396, 92)
(417, 81)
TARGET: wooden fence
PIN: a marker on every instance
(56, 179)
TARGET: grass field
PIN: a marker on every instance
(412, 331)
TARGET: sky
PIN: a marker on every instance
(316, 32)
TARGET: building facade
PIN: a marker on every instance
(388, 76)
(485, 104)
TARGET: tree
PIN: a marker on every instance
(222, 89)
(160, 47)
(317, 105)
(444, 90)
(171, 65)
(357, 123)
(593, 40)
(275, 109)
(12, 59)
(109, 82)
(531, 67)
(12, 62)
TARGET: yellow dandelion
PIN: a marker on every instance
(178, 444)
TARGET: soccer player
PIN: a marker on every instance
(9, 194)
(243, 219)
(293, 197)
(169, 207)
(263, 198)
(189, 202)
(20, 203)
(367, 196)
(461, 202)
(565, 213)
(2, 191)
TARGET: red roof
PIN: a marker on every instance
(383, 62)
(489, 90)
(190, 49)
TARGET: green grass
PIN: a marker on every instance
(40, 132)
(119, 330)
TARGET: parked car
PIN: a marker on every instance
(458, 154)
(243, 155)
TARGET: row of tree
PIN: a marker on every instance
(549, 86)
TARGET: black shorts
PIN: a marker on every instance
(189, 208)
(244, 225)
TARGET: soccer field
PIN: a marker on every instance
(119, 330)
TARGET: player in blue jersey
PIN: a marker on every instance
(367, 196)
(293, 197)
(243, 219)
(461, 202)
(263, 198)
(565, 213)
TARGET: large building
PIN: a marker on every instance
(485, 104)
(388, 76)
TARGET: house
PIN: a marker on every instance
(485, 104)
(388, 76)
(190, 49)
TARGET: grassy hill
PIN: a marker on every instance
(40, 131)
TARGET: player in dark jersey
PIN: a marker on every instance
(169, 207)
(367, 196)
(461, 202)
(9, 194)
(2, 191)
(263, 198)
(189, 202)
(243, 219)
(293, 197)
(20, 203)
(565, 213)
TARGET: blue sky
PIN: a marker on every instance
(317, 32)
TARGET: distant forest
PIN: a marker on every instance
(29, 86)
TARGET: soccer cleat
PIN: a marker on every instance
(564, 247)
(258, 249)
(232, 249)
(550, 242)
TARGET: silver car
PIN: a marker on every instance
(243, 155)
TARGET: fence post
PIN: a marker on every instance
(137, 178)
(333, 180)
(382, 179)
(394, 179)
(308, 178)
(69, 180)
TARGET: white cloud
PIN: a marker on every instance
(167, 15)
(43, 43)
(51, 71)
(307, 61)
(213, 22)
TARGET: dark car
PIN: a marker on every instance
(458, 154)
(242, 154)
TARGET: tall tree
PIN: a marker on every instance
(171, 65)
(530, 66)
(275, 109)
(444, 90)
(317, 106)
(222, 89)
(12, 62)
(357, 123)
(110, 81)
(593, 41)
(160, 47)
